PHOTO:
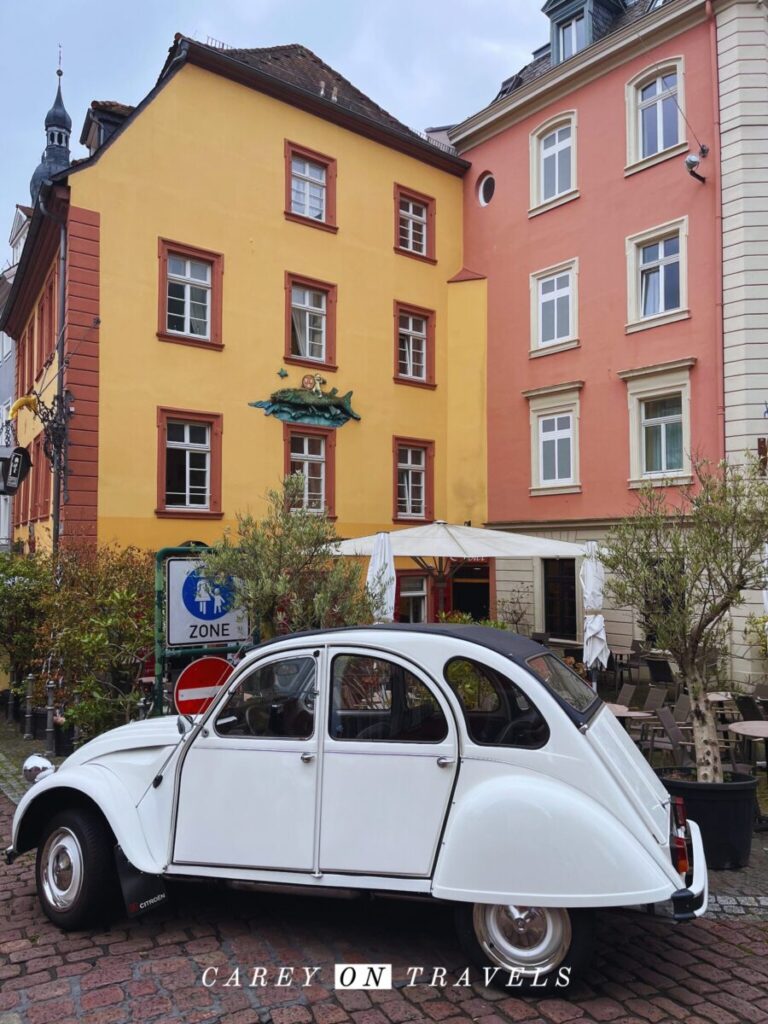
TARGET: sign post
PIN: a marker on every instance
(192, 613)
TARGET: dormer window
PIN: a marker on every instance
(573, 36)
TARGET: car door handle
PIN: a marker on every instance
(444, 762)
(306, 758)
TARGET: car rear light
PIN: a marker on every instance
(678, 812)
(680, 855)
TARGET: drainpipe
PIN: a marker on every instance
(718, 186)
(59, 457)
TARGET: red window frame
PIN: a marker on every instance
(165, 248)
(292, 149)
(429, 480)
(215, 421)
(331, 293)
(403, 192)
(428, 315)
(329, 436)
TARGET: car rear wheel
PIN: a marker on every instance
(75, 869)
(533, 948)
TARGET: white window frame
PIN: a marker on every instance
(662, 422)
(411, 469)
(411, 336)
(645, 384)
(421, 594)
(634, 244)
(189, 447)
(6, 346)
(306, 459)
(305, 310)
(407, 218)
(188, 282)
(635, 159)
(302, 181)
(544, 403)
(569, 28)
(566, 118)
(537, 279)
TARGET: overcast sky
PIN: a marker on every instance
(428, 62)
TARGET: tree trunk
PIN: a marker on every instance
(709, 767)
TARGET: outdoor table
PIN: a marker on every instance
(719, 697)
(753, 731)
(622, 711)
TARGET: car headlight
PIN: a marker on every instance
(36, 767)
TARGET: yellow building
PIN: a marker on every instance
(256, 225)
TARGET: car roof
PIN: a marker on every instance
(512, 645)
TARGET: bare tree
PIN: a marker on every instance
(683, 562)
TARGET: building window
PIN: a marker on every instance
(553, 162)
(310, 451)
(573, 36)
(191, 283)
(412, 601)
(310, 187)
(413, 482)
(556, 449)
(659, 422)
(559, 578)
(414, 345)
(486, 187)
(554, 307)
(6, 346)
(662, 435)
(657, 265)
(310, 335)
(655, 115)
(414, 224)
(554, 419)
(189, 463)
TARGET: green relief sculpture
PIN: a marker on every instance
(310, 404)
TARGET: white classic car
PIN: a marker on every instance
(446, 762)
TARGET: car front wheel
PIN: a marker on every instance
(75, 869)
(532, 948)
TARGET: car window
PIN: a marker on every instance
(496, 711)
(377, 700)
(275, 700)
(568, 686)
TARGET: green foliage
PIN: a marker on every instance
(756, 634)
(458, 618)
(684, 566)
(25, 584)
(100, 619)
(288, 577)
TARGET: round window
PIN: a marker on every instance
(486, 186)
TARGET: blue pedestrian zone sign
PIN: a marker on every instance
(199, 610)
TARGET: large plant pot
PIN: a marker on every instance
(724, 811)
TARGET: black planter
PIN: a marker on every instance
(724, 811)
(63, 740)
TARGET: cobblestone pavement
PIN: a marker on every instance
(646, 969)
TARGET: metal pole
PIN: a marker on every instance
(76, 730)
(50, 742)
(157, 698)
(28, 716)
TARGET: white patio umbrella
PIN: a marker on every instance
(442, 542)
(592, 576)
(381, 578)
(765, 589)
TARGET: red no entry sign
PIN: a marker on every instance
(199, 683)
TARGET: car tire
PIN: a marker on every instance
(545, 947)
(75, 870)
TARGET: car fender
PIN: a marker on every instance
(84, 785)
(521, 837)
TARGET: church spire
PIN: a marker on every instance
(58, 126)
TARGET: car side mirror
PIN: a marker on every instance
(181, 723)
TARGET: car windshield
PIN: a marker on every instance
(567, 685)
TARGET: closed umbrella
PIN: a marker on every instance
(381, 578)
(592, 576)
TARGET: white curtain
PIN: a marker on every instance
(299, 321)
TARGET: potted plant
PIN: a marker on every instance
(683, 560)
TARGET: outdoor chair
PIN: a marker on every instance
(749, 709)
(681, 712)
(661, 673)
(540, 638)
(668, 738)
(626, 695)
(760, 692)
(654, 700)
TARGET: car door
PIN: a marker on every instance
(248, 785)
(390, 757)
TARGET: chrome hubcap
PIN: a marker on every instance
(61, 869)
(530, 940)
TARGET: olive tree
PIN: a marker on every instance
(25, 583)
(288, 577)
(683, 561)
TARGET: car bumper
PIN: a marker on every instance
(691, 902)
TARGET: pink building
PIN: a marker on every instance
(603, 260)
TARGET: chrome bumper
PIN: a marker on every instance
(691, 902)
